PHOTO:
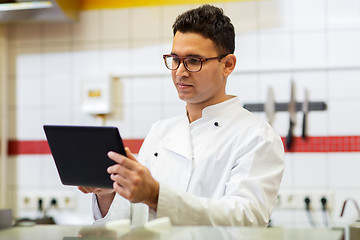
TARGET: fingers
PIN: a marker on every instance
(83, 190)
(129, 163)
(119, 169)
(129, 154)
(88, 189)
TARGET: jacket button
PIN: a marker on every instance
(156, 154)
(216, 124)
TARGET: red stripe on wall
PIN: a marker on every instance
(41, 147)
(28, 147)
(325, 144)
(309, 144)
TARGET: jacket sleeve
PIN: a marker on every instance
(119, 209)
(250, 193)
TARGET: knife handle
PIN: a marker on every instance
(304, 126)
(289, 137)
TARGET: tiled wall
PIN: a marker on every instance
(314, 43)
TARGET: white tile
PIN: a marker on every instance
(282, 218)
(87, 28)
(27, 123)
(344, 47)
(243, 15)
(245, 86)
(274, 50)
(56, 60)
(279, 82)
(173, 109)
(28, 172)
(56, 115)
(287, 181)
(56, 32)
(115, 24)
(49, 174)
(344, 85)
(25, 91)
(344, 170)
(122, 119)
(315, 82)
(317, 124)
(274, 16)
(57, 90)
(309, 49)
(76, 89)
(115, 58)
(28, 62)
(168, 91)
(146, 57)
(148, 25)
(343, 117)
(310, 171)
(343, 15)
(246, 50)
(85, 59)
(281, 123)
(165, 48)
(147, 90)
(308, 14)
(78, 117)
(143, 117)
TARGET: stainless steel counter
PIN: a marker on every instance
(40, 232)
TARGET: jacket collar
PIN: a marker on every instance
(178, 140)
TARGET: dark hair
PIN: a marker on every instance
(210, 22)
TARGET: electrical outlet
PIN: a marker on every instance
(296, 199)
(28, 201)
(67, 201)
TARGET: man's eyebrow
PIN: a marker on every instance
(190, 55)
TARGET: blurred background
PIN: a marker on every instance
(53, 65)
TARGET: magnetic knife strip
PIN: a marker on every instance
(283, 107)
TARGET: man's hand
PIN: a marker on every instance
(97, 191)
(132, 180)
(104, 197)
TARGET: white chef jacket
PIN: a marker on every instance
(222, 169)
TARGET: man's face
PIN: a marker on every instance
(206, 87)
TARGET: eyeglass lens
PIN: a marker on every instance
(191, 63)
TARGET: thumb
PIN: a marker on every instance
(129, 154)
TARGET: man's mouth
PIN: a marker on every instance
(182, 85)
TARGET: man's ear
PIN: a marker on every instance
(230, 62)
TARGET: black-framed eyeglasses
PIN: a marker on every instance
(192, 64)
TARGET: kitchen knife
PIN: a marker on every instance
(269, 106)
(292, 114)
(305, 110)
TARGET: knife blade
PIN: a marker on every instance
(292, 116)
(269, 106)
(305, 110)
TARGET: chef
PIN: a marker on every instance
(218, 164)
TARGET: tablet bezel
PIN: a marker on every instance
(74, 147)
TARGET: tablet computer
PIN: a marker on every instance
(80, 153)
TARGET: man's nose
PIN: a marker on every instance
(182, 71)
